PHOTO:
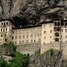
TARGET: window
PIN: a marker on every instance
(1, 35)
(65, 30)
(44, 32)
(61, 35)
(5, 39)
(65, 41)
(1, 29)
(6, 29)
(19, 42)
(50, 41)
(66, 36)
(38, 34)
(23, 36)
(5, 35)
(20, 37)
(31, 40)
(35, 35)
(34, 40)
(57, 34)
(50, 36)
(44, 37)
(31, 35)
(57, 39)
(4, 24)
(22, 41)
(27, 36)
(7, 23)
(50, 31)
(27, 41)
(1, 23)
(16, 37)
(12, 37)
(13, 32)
(57, 23)
(61, 30)
(56, 28)
(15, 42)
(43, 42)
(39, 40)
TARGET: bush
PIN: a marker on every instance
(51, 52)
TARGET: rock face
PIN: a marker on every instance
(6, 7)
(12, 7)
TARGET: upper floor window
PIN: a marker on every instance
(13, 32)
(57, 29)
(27, 41)
(16, 37)
(43, 42)
(50, 31)
(6, 23)
(27, 36)
(44, 37)
(50, 36)
(1, 35)
(39, 40)
(31, 40)
(6, 29)
(65, 30)
(50, 41)
(57, 39)
(1, 29)
(1, 23)
(44, 32)
(20, 37)
(22, 41)
(34, 40)
(57, 34)
(15, 42)
(38, 34)
(61, 30)
(23, 36)
(66, 36)
(5, 35)
(12, 37)
(31, 35)
(35, 35)
(19, 42)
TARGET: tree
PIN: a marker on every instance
(19, 60)
(9, 48)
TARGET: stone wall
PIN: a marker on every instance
(55, 46)
(29, 48)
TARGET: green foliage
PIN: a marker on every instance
(3, 63)
(51, 52)
(18, 60)
(9, 48)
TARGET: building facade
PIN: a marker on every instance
(51, 34)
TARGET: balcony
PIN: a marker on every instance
(57, 28)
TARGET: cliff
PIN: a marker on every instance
(33, 11)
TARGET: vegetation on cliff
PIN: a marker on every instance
(17, 59)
